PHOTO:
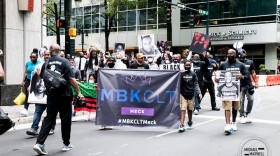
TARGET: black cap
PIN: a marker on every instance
(111, 59)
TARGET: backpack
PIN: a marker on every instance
(52, 79)
(5, 122)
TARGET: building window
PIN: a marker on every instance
(235, 12)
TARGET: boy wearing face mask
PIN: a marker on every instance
(189, 85)
(76, 72)
(152, 64)
(119, 64)
(232, 65)
(111, 63)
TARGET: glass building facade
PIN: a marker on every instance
(231, 12)
(92, 18)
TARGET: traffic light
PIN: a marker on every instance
(195, 20)
(61, 23)
(191, 21)
(168, 11)
(168, 14)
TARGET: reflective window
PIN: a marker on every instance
(231, 12)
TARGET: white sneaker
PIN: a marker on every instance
(233, 126)
(195, 112)
(102, 127)
(67, 148)
(242, 119)
(248, 119)
(227, 129)
(24, 113)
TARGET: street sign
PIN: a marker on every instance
(203, 12)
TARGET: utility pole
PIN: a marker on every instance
(207, 21)
(83, 37)
(67, 15)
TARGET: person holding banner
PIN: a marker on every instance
(189, 85)
(152, 64)
(232, 65)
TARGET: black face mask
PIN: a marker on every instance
(231, 58)
(111, 65)
(175, 61)
(187, 68)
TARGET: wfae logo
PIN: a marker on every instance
(137, 89)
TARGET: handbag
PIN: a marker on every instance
(52, 79)
(5, 122)
(20, 98)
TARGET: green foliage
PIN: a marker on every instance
(262, 68)
(49, 15)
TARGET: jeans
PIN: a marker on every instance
(26, 85)
(250, 98)
(39, 109)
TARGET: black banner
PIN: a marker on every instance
(138, 98)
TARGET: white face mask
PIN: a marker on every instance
(150, 60)
(118, 60)
(167, 61)
(90, 81)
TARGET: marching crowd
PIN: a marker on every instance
(196, 79)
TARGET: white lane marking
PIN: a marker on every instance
(124, 145)
(264, 107)
(163, 134)
(275, 122)
(96, 153)
(28, 125)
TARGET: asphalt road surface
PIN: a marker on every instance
(206, 139)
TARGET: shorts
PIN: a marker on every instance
(227, 105)
(185, 103)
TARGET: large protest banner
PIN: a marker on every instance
(138, 98)
(229, 85)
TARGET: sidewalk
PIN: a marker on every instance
(14, 114)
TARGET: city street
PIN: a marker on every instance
(206, 139)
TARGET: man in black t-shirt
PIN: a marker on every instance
(232, 65)
(58, 100)
(208, 83)
(139, 63)
(247, 89)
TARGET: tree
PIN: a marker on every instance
(50, 14)
(112, 8)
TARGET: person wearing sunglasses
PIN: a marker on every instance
(29, 68)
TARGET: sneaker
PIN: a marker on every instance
(233, 126)
(51, 132)
(190, 125)
(67, 147)
(102, 127)
(109, 127)
(242, 119)
(228, 129)
(32, 132)
(195, 112)
(181, 128)
(248, 119)
(40, 149)
(24, 113)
